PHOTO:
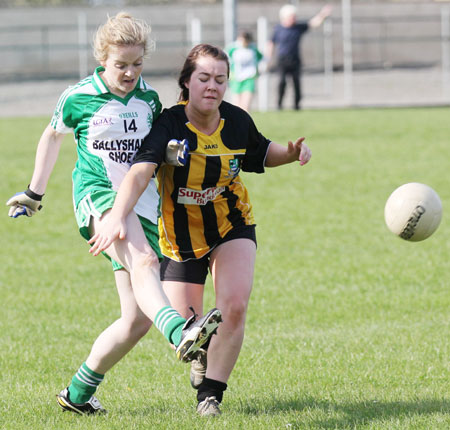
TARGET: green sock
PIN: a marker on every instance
(170, 323)
(84, 384)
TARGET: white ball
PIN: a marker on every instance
(413, 211)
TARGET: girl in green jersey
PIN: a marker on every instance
(110, 113)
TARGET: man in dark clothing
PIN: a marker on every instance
(286, 38)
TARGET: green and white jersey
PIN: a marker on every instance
(108, 132)
(244, 61)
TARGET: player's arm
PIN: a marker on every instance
(29, 202)
(46, 155)
(319, 18)
(269, 51)
(278, 155)
(270, 48)
(131, 188)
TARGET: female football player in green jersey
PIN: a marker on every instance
(244, 63)
(206, 222)
(110, 113)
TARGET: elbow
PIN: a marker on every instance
(268, 163)
(271, 155)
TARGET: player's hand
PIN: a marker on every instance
(326, 10)
(24, 203)
(177, 152)
(108, 232)
(299, 151)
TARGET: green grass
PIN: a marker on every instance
(348, 326)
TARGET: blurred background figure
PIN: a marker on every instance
(244, 60)
(286, 41)
(359, 60)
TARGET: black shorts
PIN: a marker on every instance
(195, 271)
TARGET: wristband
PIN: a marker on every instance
(33, 195)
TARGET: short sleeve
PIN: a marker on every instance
(157, 106)
(230, 49)
(153, 148)
(259, 56)
(256, 152)
(68, 111)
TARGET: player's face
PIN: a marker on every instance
(289, 20)
(207, 84)
(123, 68)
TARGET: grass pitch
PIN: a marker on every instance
(348, 325)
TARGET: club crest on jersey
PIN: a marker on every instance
(235, 167)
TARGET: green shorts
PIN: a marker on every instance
(246, 86)
(98, 202)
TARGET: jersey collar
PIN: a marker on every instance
(97, 81)
(101, 87)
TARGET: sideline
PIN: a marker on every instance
(382, 88)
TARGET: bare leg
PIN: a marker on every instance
(246, 100)
(183, 295)
(121, 336)
(139, 259)
(281, 86)
(236, 99)
(232, 267)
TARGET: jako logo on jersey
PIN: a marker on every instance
(234, 168)
(213, 146)
(101, 121)
(186, 196)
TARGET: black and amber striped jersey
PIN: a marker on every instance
(203, 201)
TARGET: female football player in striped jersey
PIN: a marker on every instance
(110, 113)
(206, 222)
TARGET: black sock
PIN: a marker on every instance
(209, 388)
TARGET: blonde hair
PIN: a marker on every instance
(121, 30)
(287, 10)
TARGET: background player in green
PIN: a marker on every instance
(110, 113)
(244, 60)
(206, 216)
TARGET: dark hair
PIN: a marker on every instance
(202, 50)
(246, 35)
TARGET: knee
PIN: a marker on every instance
(138, 327)
(234, 312)
(146, 261)
(143, 326)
